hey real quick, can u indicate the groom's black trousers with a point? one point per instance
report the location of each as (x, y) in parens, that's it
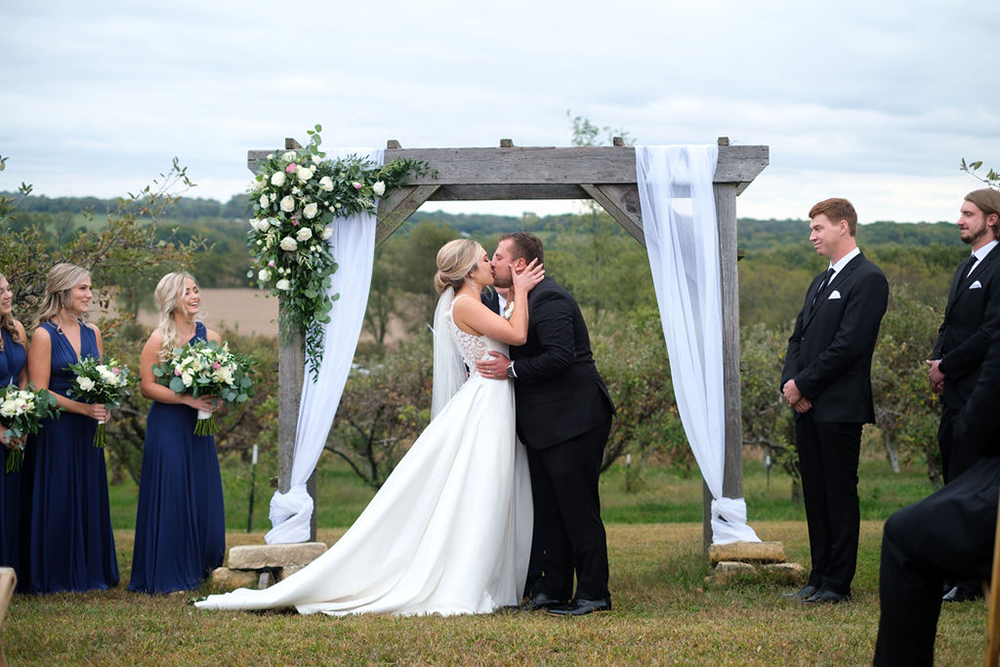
(564, 484)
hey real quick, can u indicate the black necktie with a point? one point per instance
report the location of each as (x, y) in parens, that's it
(826, 281)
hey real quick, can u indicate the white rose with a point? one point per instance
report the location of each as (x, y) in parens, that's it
(304, 234)
(289, 156)
(278, 178)
(316, 159)
(326, 233)
(311, 210)
(378, 188)
(8, 409)
(288, 243)
(287, 204)
(85, 383)
(263, 224)
(264, 275)
(326, 183)
(303, 173)
(283, 284)
(263, 201)
(187, 379)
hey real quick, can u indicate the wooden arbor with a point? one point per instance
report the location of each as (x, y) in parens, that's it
(604, 174)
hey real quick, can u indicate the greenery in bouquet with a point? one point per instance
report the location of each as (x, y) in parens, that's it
(21, 411)
(97, 381)
(206, 368)
(296, 197)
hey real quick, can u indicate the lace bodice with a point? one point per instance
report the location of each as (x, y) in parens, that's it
(472, 347)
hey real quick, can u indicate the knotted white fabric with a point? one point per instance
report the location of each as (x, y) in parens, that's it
(678, 219)
(353, 245)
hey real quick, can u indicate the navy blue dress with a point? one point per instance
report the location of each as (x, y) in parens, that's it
(12, 484)
(72, 545)
(180, 524)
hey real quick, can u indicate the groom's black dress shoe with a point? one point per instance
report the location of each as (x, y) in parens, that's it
(580, 606)
(801, 594)
(826, 597)
(961, 594)
(540, 601)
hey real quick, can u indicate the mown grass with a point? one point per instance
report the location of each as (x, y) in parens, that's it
(665, 611)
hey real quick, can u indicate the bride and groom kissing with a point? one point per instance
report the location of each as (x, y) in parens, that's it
(487, 510)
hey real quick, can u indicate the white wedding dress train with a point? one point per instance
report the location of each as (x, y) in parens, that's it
(448, 533)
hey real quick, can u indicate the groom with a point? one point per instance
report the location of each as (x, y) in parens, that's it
(564, 415)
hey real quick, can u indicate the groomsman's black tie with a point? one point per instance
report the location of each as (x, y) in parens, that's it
(822, 286)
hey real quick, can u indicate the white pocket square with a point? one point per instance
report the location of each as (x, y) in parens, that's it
(833, 295)
(976, 285)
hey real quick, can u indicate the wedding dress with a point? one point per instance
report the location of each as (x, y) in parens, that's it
(448, 533)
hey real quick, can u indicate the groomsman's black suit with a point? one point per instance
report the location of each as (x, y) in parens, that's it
(564, 415)
(829, 357)
(948, 535)
(961, 345)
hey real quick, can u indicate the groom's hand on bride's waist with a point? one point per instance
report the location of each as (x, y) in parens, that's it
(495, 367)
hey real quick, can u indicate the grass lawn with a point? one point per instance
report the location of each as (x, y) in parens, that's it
(665, 612)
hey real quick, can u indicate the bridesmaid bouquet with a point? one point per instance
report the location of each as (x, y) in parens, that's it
(100, 382)
(205, 368)
(21, 410)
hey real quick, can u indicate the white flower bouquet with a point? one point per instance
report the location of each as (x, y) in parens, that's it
(205, 368)
(296, 196)
(100, 382)
(21, 410)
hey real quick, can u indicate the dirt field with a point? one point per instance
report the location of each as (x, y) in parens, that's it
(249, 311)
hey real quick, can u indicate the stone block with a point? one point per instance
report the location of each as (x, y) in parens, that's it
(790, 574)
(226, 579)
(728, 571)
(260, 556)
(747, 552)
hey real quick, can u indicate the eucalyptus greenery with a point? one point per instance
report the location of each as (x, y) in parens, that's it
(297, 197)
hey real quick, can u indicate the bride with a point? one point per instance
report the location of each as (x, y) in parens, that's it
(449, 532)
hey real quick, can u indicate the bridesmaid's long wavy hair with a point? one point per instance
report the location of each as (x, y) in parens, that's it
(7, 322)
(456, 260)
(169, 294)
(59, 285)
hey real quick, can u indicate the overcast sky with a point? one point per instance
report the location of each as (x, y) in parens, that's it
(873, 101)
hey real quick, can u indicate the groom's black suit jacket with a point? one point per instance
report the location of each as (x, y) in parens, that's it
(558, 392)
(966, 331)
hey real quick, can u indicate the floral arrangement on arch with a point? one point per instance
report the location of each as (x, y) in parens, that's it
(297, 197)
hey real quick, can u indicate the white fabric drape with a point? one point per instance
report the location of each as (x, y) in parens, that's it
(353, 244)
(678, 219)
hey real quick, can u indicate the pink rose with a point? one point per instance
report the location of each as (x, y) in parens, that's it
(177, 371)
(357, 186)
(271, 263)
(216, 365)
(290, 168)
(116, 370)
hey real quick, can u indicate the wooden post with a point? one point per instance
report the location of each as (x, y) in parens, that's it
(732, 480)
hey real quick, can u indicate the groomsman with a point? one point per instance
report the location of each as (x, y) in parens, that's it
(965, 332)
(949, 534)
(964, 337)
(826, 380)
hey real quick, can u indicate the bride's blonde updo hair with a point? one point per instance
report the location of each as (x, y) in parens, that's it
(169, 294)
(456, 260)
(59, 284)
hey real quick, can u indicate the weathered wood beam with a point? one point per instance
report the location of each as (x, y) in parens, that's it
(397, 207)
(546, 165)
(502, 192)
(622, 203)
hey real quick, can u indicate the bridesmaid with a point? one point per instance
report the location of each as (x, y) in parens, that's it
(180, 528)
(12, 484)
(72, 546)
